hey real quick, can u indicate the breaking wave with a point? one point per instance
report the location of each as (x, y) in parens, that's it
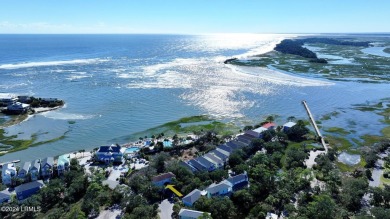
(50, 63)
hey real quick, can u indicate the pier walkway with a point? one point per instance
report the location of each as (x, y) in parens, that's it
(315, 126)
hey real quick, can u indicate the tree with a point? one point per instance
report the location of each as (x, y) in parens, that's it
(76, 212)
(323, 207)
(236, 158)
(353, 191)
(159, 162)
(295, 158)
(270, 118)
(243, 200)
(297, 132)
(291, 119)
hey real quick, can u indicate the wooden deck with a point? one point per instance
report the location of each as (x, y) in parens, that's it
(317, 130)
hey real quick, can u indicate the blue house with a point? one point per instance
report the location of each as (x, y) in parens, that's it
(5, 196)
(191, 198)
(209, 165)
(47, 167)
(24, 171)
(187, 166)
(108, 154)
(35, 169)
(28, 189)
(197, 165)
(239, 181)
(190, 214)
(63, 164)
(221, 189)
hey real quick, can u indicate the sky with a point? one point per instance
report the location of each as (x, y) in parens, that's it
(194, 16)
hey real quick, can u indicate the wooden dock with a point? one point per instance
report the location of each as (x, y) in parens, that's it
(317, 130)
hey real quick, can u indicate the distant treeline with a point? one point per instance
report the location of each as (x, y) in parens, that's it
(295, 47)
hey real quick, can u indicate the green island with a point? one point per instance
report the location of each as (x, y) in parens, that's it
(345, 59)
(387, 50)
(288, 170)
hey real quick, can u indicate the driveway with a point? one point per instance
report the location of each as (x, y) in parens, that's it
(166, 209)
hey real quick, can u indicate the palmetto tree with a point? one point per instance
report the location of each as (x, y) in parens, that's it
(291, 119)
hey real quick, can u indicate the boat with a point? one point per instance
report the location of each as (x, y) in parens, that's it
(15, 161)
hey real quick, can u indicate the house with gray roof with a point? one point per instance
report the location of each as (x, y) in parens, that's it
(197, 165)
(214, 159)
(190, 214)
(219, 154)
(258, 133)
(225, 148)
(47, 167)
(226, 153)
(5, 196)
(210, 166)
(35, 170)
(28, 189)
(191, 198)
(24, 170)
(220, 189)
(239, 181)
(188, 166)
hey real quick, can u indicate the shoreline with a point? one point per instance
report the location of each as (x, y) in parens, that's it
(24, 117)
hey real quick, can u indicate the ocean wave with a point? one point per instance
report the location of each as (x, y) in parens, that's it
(65, 116)
(51, 63)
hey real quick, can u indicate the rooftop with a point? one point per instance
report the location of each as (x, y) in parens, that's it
(163, 176)
(190, 213)
(192, 196)
(28, 186)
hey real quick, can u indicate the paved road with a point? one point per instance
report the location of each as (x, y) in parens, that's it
(166, 209)
(376, 174)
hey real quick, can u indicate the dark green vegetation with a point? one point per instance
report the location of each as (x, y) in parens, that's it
(193, 124)
(345, 62)
(387, 50)
(10, 144)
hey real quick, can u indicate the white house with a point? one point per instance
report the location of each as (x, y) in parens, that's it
(288, 125)
(190, 214)
(256, 132)
(9, 171)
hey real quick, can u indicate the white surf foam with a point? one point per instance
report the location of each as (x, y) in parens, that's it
(65, 116)
(51, 63)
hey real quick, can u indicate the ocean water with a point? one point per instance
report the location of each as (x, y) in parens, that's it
(116, 85)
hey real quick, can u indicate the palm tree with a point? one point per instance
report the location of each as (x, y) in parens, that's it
(270, 119)
(291, 119)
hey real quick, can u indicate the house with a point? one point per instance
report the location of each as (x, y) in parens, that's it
(162, 179)
(28, 189)
(190, 214)
(220, 189)
(5, 196)
(225, 148)
(245, 138)
(257, 133)
(269, 125)
(210, 166)
(199, 166)
(8, 171)
(35, 170)
(63, 164)
(191, 198)
(47, 167)
(232, 145)
(214, 159)
(225, 153)
(108, 154)
(239, 181)
(219, 154)
(288, 125)
(24, 170)
(17, 108)
(187, 166)
(7, 99)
